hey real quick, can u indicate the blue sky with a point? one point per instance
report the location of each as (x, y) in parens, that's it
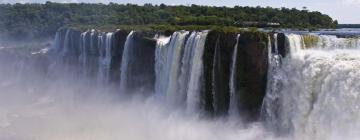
(345, 11)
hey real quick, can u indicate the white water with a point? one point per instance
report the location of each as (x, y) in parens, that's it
(312, 94)
(59, 115)
(60, 57)
(57, 43)
(67, 43)
(105, 44)
(186, 65)
(173, 68)
(315, 94)
(125, 62)
(196, 70)
(84, 52)
(270, 106)
(168, 59)
(179, 68)
(37, 108)
(161, 61)
(233, 105)
(330, 42)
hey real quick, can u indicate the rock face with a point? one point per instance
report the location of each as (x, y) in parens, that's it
(282, 44)
(141, 70)
(252, 63)
(251, 72)
(117, 51)
(71, 47)
(218, 55)
(228, 78)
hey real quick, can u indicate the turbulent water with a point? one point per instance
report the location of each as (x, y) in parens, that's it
(125, 62)
(168, 59)
(105, 43)
(312, 92)
(36, 106)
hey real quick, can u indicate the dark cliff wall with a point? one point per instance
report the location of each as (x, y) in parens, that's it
(73, 51)
(141, 68)
(251, 71)
(282, 44)
(117, 52)
(92, 54)
(251, 66)
(217, 62)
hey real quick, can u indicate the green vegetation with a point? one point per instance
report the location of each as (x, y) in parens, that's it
(27, 20)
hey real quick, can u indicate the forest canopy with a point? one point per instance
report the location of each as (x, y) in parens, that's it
(21, 20)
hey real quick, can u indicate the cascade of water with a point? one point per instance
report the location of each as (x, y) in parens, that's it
(233, 106)
(94, 54)
(179, 68)
(54, 52)
(160, 65)
(105, 42)
(107, 59)
(276, 48)
(173, 69)
(102, 53)
(319, 93)
(83, 58)
(331, 41)
(196, 71)
(94, 49)
(269, 107)
(295, 42)
(125, 62)
(58, 43)
(67, 43)
(186, 65)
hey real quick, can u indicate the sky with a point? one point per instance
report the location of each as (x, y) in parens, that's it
(345, 11)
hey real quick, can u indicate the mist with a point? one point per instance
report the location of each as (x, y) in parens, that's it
(40, 105)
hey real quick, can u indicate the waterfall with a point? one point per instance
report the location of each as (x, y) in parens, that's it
(168, 59)
(197, 46)
(84, 52)
(269, 108)
(65, 51)
(160, 65)
(90, 54)
(179, 68)
(220, 92)
(125, 62)
(296, 43)
(175, 49)
(67, 43)
(233, 106)
(186, 65)
(331, 41)
(314, 93)
(58, 43)
(102, 63)
(105, 44)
